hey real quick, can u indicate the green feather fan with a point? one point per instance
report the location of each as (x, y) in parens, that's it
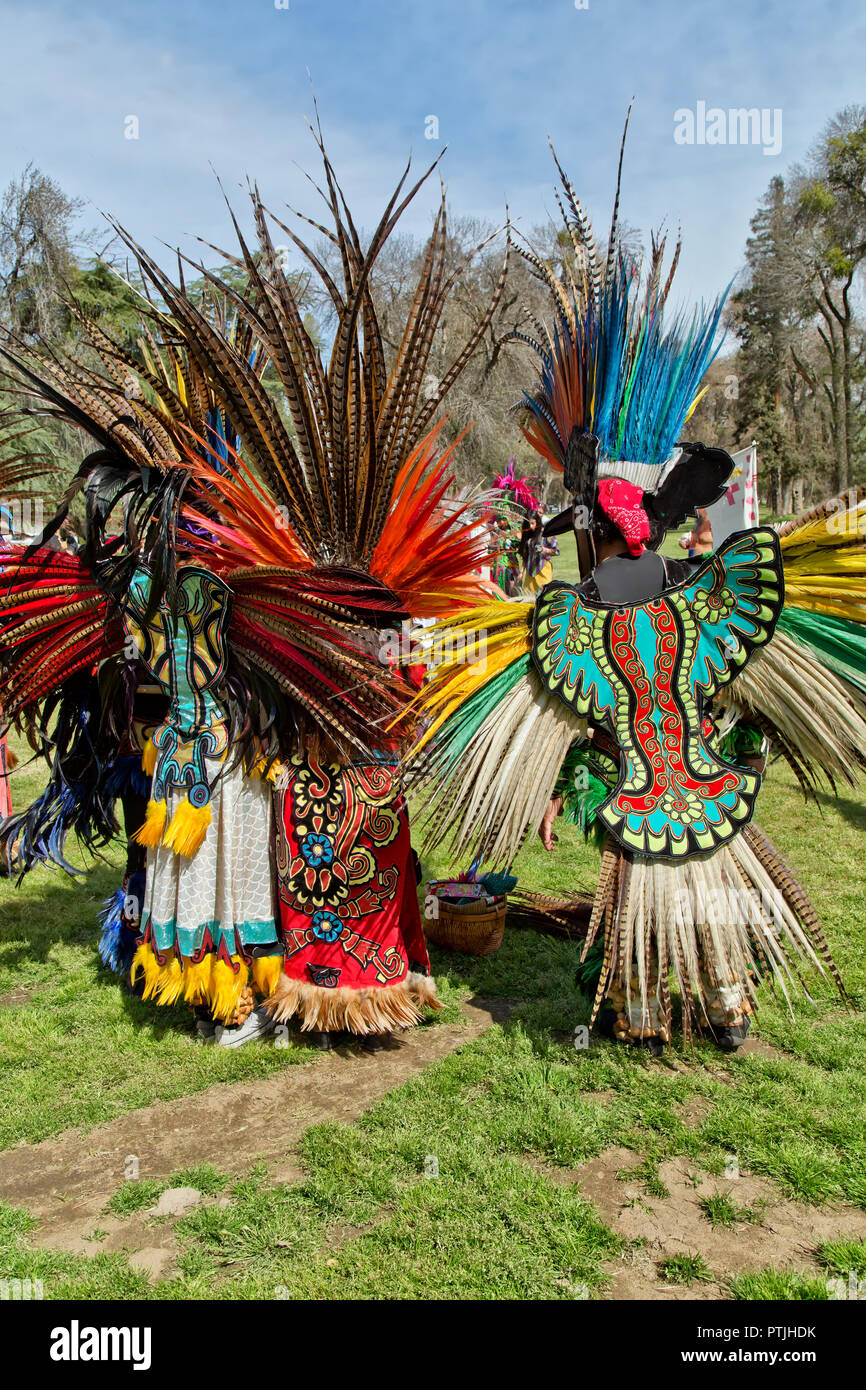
(840, 643)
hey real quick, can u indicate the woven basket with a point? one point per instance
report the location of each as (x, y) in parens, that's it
(474, 929)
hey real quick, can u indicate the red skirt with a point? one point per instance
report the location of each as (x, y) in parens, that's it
(355, 954)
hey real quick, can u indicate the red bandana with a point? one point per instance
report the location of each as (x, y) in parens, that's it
(623, 503)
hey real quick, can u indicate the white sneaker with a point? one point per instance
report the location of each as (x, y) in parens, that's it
(255, 1025)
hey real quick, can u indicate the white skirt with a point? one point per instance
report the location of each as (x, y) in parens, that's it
(224, 892)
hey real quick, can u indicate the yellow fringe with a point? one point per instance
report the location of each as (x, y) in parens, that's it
(227, 987)
(169, 982)
(148, 758)
(150, 833)
(188, 827)
(145, 961)
(456, 683)
(266, 973)
(211, 981)
(197, 980)
(161, 982)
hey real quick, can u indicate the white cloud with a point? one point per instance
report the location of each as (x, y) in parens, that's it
(227, 83)
(71, 85)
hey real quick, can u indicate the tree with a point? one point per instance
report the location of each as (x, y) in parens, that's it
(36, 259)
(832, 207)
(105, 298)
(801, 357)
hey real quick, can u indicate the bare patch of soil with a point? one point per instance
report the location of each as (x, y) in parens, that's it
(784, 1235)
(756, 1046)
(694, 1111)
(14, 997)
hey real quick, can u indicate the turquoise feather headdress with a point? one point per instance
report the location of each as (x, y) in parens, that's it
(611, 369)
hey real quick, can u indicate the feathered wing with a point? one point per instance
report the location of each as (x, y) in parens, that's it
(824, 553)
(736, 598)
(56, 627)
(807, 689)
(514, 685)
(55, 621)
(646, 671)
(495, 740)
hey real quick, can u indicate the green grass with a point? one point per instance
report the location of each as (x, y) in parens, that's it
(63, 1276)
(722, 1212)
(507, 1118)
(778, 1284)
(140, 1193)
(685, 1269)
(843, 1257)
(81, 1050)
(135, 1195)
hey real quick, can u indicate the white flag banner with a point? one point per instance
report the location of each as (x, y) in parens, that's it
(738, 509)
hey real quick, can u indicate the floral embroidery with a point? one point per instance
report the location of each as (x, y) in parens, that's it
(316, 850)
(713, 605)
(326, 926)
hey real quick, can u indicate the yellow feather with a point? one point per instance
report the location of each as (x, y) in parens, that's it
(266, 973)
(169, 983)
(150, 833)
(227, 987)
(448, 695)
(188, 828)
(197, 980)
(145, 961)
(148, 758)
(693, 406)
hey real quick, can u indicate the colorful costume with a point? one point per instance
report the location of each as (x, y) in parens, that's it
(208, 912)
(356, 957)
(537, 563)
(255, 569)
(515, 500)
(652, 681)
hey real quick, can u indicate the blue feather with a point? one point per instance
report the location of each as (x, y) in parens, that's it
(118, 940)
(125, 777)
(637, 376)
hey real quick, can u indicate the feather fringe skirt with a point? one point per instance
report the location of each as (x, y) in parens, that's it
(718, 926)
(359, 1011)
(488, 803)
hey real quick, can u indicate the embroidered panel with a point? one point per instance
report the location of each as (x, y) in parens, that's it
(646, 671)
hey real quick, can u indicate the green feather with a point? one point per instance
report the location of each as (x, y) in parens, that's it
(588, 973)
(839, 642)
(459, 728)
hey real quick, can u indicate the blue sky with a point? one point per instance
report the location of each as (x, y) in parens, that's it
(228, 83)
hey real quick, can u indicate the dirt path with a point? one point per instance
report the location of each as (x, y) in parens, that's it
(67, 1180)
(784, 1236)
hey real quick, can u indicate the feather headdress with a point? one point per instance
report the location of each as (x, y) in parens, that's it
(613, 372)
(325, 522)
(354, 478)
(518, 490)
